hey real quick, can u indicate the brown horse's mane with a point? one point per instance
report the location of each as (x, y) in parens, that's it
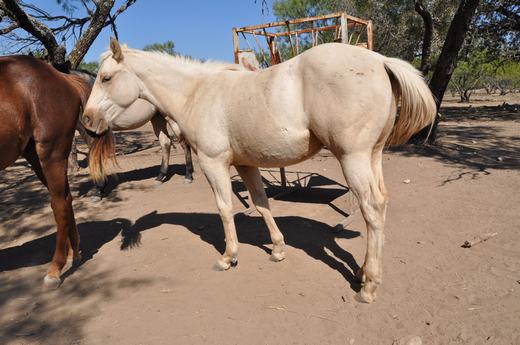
(81, 86)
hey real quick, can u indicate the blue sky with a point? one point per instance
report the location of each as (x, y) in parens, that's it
(201, 29)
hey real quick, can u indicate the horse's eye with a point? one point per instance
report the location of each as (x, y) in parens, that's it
(106, 78)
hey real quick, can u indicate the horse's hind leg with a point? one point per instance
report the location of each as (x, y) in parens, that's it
(188, 178)
(32, 157)
(253, 181)
(366, 183)
(217, 173)
(160, 130)
(55, 173)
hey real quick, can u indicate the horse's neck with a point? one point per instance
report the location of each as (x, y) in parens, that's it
(168, 86)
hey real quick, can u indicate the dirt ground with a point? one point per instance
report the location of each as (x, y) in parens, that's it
(149, 250)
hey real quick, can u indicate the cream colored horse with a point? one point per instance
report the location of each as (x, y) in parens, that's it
(333, 95)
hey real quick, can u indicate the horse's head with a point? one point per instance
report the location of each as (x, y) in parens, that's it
(115, 90)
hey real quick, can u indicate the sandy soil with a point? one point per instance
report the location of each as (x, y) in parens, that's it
(148, 252)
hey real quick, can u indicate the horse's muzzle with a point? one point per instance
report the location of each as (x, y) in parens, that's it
(95, 125)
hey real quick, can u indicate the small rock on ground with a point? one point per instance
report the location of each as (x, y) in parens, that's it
(408, 340)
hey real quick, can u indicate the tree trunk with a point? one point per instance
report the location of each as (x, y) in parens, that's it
(447, 60)
(427, 37)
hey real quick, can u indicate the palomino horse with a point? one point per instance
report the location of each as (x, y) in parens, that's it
(140, 113)
(166, 130)
(333, 95)
(39, 111)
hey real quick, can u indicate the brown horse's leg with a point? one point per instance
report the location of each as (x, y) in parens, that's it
(55, 172)
(32, 157)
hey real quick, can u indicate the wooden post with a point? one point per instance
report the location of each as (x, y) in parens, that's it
(283, 178)
(236, 44)
(344, 28)
(370, 36)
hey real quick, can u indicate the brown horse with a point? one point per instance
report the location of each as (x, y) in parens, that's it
(38, 114)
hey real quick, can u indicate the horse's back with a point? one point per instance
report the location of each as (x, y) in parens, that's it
(333, 95)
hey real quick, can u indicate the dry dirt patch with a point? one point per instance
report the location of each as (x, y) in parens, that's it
(147, 277)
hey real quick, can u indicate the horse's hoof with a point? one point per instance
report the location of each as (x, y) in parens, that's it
(158, 182)
(51, 283)
(277, 257)
(221, 266)
(365, 297)
(95, 198)
(188, 180)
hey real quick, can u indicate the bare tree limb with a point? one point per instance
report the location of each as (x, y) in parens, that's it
(37, 29)
(9, 28)
(101, 18)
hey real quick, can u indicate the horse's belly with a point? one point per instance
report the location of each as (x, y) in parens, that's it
(271, 150)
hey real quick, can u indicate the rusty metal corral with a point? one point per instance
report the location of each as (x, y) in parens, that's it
(347, 29)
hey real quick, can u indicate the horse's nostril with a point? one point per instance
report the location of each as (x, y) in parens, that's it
(86, 120)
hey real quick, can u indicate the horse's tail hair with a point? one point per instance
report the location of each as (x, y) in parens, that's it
(418, 108)
(102, 150)
(102, 156)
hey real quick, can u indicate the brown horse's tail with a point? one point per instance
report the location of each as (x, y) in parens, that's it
(102, 156)
(418, 108)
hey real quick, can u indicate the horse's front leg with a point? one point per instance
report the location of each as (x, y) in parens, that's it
(217, 173)
(188, 178)
(253, 181)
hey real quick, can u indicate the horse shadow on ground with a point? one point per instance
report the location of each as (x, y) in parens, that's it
(113, 181)
(477, 147)
(315, 238)
(308, 187)
(32, 315)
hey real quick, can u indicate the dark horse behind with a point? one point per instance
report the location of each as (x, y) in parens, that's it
(39, 112)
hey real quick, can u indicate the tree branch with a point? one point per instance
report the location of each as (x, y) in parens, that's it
(9, 28)
(100, 18)
(35, 28)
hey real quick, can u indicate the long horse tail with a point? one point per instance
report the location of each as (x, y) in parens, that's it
(102, 153)
(418, 108)
(102, 157)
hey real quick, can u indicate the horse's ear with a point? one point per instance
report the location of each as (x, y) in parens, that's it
(117, 53)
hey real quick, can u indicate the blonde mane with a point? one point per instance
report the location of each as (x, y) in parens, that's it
(185, 61)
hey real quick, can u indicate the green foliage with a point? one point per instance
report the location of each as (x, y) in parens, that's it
(481, 70)
(508, 77)
(92, 67)
(398, 29)
(497, 28)
(165, 47)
